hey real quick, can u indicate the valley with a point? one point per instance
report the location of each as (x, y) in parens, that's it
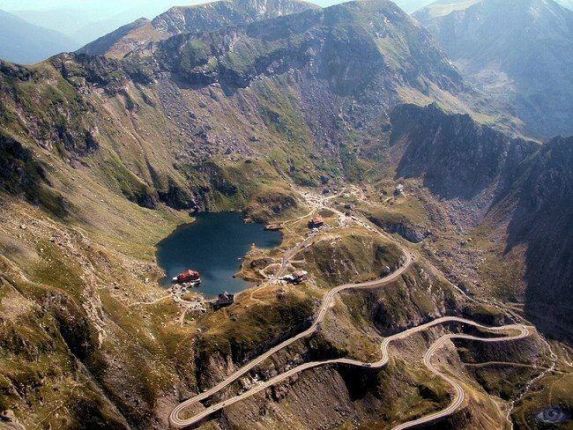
(529, 80)
(430, 229)
(326, 304)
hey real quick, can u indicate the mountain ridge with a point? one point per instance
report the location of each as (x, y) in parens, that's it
(21, 42)
(516, 51)
(180, 19)
(518, 190)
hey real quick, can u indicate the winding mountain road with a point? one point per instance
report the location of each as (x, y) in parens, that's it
(457, 401)
(177, 421)
(327, 302)
(459, 394)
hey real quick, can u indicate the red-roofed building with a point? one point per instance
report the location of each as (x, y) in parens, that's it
(188, 276)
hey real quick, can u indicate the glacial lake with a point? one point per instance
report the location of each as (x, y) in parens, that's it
(213, 245)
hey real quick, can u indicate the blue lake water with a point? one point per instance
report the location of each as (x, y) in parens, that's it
(213, 245)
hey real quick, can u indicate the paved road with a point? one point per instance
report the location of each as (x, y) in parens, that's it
(458, 399)
(327, 301)
(459, 394)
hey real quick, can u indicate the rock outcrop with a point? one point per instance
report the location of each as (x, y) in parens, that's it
(521, 189)
(191, 19)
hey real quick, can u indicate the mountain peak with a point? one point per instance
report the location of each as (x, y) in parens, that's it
(191, 19)
(214, 15)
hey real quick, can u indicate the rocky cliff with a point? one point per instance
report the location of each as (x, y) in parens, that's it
(455, 156)
(542, 220)
(518, 188)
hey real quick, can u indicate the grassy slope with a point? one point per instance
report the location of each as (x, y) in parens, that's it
(98, 253)
(87, 239)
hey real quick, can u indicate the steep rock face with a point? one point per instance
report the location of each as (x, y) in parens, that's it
(44, 339)
(191, 19)
(69, 126)
(22, 175)
(455, 156)
(404, 228)
(543, 219)
(391, 42)
(19, 172)
(354, 60)
(517, 51)
(520, 189)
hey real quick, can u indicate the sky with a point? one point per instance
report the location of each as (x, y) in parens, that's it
(86, 20)
(104, 7)
(113, 7)
(83, 21)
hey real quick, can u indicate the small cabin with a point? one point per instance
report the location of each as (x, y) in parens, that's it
(224, 300)
(316, 222)
(300, 277)
(296, 277)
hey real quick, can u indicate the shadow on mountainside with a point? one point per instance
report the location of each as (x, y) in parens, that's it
(21, 174)
(543, 219)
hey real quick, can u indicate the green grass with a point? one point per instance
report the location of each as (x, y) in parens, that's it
(57, 270)
(254, 327)
(352, 256)
(36, 365)
(401, 302)
(409, 392)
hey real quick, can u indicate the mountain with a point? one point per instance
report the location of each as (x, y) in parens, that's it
(518, 51)
(24, 43)
(351, 112)
(287, 67)
(206, 17)
(408, 6)
(124, 39)
(519, 191)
